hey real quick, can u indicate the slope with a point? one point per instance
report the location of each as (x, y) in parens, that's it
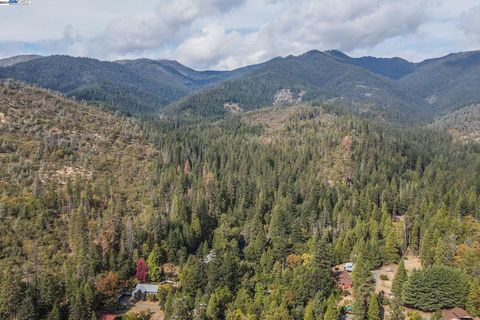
(311, 76)
(394, 68)
(136, 86)
(463, 124)
(6, 62)
(445, 83)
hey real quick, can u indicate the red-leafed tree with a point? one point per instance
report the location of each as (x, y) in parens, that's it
(142, 270)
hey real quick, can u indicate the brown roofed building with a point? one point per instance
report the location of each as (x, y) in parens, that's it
(456, 314)
(345, 280)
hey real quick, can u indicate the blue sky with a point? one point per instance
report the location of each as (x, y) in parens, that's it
(226, 34)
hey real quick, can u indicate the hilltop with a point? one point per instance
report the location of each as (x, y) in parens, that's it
(135, 86)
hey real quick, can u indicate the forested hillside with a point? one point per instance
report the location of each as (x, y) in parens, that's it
(463, 124)
(446, 83)
(390, 89)
(255, 209)
(139, 86)
(314, 75)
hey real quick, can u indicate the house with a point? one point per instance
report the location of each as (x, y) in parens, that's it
(345, 280)
(143, 289)
(456, 314)
(348, 267)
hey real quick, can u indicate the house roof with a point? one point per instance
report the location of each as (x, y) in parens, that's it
(455, 314)
(145, 287)
(345, 278)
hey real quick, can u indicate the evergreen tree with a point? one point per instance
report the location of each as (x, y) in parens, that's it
(309, 313)
(446, 288)
(363, 284)
(392, 252)
(153, 263)
(277, 231)
(374, 308)
(10, 293)
(27, 309)
(399, 280)
(332, 310)
(473, 299)
(217, 304)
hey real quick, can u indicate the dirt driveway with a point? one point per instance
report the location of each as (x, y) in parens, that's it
(147, 306)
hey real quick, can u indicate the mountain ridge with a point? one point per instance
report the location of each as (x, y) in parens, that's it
(393, 88)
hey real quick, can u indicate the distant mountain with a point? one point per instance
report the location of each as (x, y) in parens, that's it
(136, 86)
(17, 59)
(445, 83)
(312, 76)
(385, 88)
(394, 68)
(390, 88)
(173, 72)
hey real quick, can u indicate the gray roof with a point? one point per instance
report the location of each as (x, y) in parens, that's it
(145, 287)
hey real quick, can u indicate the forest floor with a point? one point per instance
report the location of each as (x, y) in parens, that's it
(384, 285)
(412, 262)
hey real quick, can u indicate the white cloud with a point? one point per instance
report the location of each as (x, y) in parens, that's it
(232, 33)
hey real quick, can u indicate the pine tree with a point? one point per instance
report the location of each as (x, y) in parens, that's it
(399, 280)
(27, 309)
(363, 284)
(309, 313)
(332, 310)
(153, 263)
(473, 299)
(443, 252)
(10, 293)
(392, 252)
(427, 253)
(277, 231)
(374, 308)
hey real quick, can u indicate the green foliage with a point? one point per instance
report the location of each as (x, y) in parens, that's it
(436, 287)
(217, 304)
(27, 309)
(414, 315)
(331, 313)
(473, 299)
(254, 210)
(137, 86)
(374, 308)
(399, 280)
(363, 285)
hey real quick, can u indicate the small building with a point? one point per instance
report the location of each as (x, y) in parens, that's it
(456, 314)
(345, 280)
(348, 267)
(143, 289)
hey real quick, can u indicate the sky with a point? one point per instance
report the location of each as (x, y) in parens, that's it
(227, 34)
